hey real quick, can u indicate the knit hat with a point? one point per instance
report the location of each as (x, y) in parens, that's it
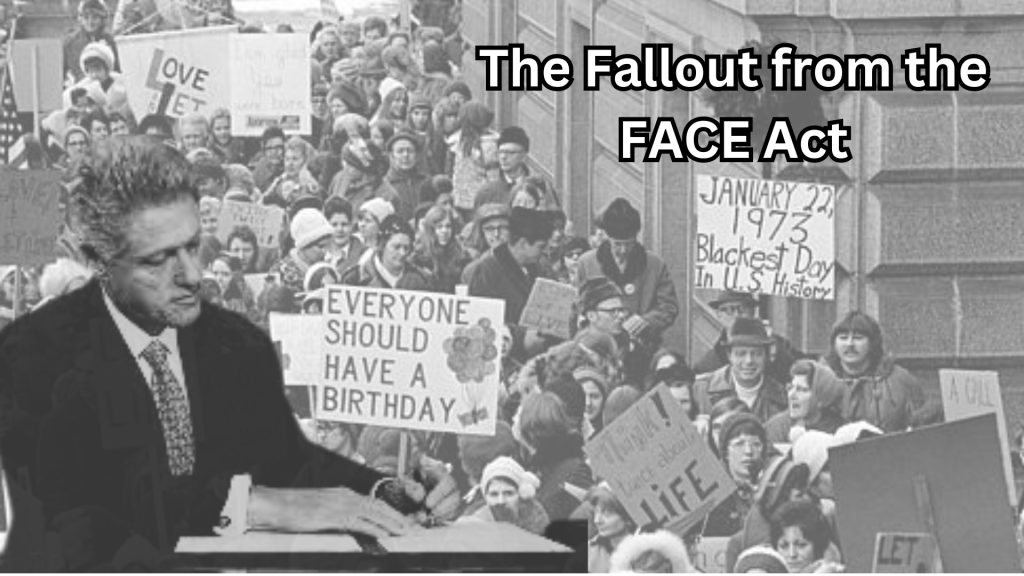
(372, 68)
(811, 448)
(505, 467)
(620, 220)
(527, 223)
(419, 101)
(618, 402)
(487, 212)
(304, 200)
(514, 135)
(589, 374)
(747, 332)
(854, 431)
(378, 207)
(97, 50)
(92, 6)
(73, 129)
(460, 87)
(732, 424)
(476, 451)
(596, 290)
(404, 134)
(730, 296)
(309, 227)
(762, 558)
(387, 86)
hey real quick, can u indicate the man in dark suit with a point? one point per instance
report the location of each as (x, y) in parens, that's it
(139, 405)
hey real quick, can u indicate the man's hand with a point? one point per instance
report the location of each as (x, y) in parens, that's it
(304, 510)
(436, 490)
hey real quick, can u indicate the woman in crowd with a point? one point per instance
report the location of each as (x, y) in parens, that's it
(209, 221)
(801, 534)
(438, 250)
(389, 267)
(346, 248)
(445, 120)
(612, 523)
(394, 101)
(242, 244)
(679, 380)
(744, 448)
(566, 263)
(720, 412)
(371, 214)
(473, 147)
(437, 73)
(364, 165)
(228, 149)
(815, 403)
(235, 294)
(76, 146)
(595, 388)
(295, 181)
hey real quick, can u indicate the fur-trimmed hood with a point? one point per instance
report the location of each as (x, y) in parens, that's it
(663, 542)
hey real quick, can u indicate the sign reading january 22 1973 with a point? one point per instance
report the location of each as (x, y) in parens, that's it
(766, 236)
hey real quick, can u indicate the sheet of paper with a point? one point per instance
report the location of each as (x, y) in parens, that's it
(269, 543)
(472, 536)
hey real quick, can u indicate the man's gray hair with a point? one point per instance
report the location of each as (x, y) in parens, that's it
(121, 177)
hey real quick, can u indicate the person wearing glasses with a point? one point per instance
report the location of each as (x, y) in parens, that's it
(743, 445)
(744, 376)
(513, 148)
(270, 163)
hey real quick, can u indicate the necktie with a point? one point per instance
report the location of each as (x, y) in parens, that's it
(173, 410)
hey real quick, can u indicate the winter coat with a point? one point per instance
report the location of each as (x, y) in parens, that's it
(405, 188)
(710, 388)
(497, 275)
(824, 412)
(889, 397)
(447, 266)
(636, 546)
(366, 274)
(468, 172)
(558, 461)
(532, 516)
(647, 286)
(356, 182)
(781, 357)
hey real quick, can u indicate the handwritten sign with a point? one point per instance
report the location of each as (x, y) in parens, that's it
(265, 221)
(659, 465)
(766, 236)
(549, 308)
(192, 63)
(270, 83)
(39, 59)
(967, 393)
(29, 216)
(901, 553)
(415, 360)
(299, 340)
(711, 554)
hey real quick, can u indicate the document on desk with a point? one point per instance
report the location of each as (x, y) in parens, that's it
(268, 543)
(472, 537)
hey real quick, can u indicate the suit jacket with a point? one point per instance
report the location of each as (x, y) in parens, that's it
(89, 418)
(714, 386)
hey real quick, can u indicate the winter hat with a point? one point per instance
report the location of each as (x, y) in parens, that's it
(762, 558)
(92, 6)
(476, 451)
(748, 332)
(354, 124)
(100, 51)
(589, 374)
(304, 200)
(73, 129)
(731, 296)
(620, 220)
(731, 427)
(811, 448)
(378, 207)
(487, 212)
(514, 135)
(507, 468)
(636, 552)
(419, 101)
(309, 227)
(826, 390)
(854, 431)
(351, 95)
(460, 87)
(596, 290)
(618, 402)
(404, 134)
(372, 67)
(316, 276)
(387, 86)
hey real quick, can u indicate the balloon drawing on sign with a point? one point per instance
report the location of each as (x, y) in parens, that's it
(471, 355)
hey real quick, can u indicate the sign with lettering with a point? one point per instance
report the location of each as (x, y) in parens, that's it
(968, 393)
(265, 221)
(711, 554)
(549, 308)
(901, 553)
(177, 73)
(415, 360)
(30, 216)
(270, 83)
(765, 236)
(659, 465)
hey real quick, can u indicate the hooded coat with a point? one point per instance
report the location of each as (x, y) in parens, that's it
(889, 397)
(633, 548)
(825, 412)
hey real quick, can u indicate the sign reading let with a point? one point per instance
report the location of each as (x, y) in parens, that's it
(658, 464)
(766, 236)
(415, 360)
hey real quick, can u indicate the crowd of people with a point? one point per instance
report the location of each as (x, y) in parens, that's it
(406, 183)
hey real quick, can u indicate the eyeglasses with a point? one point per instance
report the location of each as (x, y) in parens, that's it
(495, 228)
(508, 152)
(752, 444)
(620, 310)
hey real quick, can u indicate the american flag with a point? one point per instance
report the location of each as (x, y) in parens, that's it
(12, 139)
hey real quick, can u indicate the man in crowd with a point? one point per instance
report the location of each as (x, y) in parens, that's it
(404, 180)
(729, 306)
(513, 147)
(509, 491)
(745, 376)
(649, 294)
(92, 27)
(270, 163)
(130, 389)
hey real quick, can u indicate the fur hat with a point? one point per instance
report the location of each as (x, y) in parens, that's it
(309, 227)
(419, 101)
(514, 135)
(589, 374)
(404, 134)
(636, 548)
(596, 290)
(505, 467)
(762, 558)
(747, 332)
(460, 87)
(378, 207)
(732, 424)
(620, 220)
(100, 51)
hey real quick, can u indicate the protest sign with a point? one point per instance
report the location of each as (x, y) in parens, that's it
(29, 216)
(549, 308)
(299, 338)
(265, 221)
(967, 393)
(875, 483)
(415, 360)
(710, 556)
(659, 465)
(270, 83)
(766, 236)
(901, 553)
(39, 61)
(193, 63)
